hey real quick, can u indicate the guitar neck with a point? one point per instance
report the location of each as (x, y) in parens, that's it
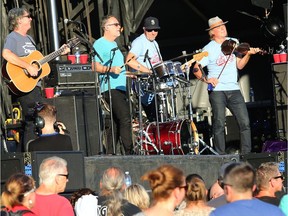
(51, 56)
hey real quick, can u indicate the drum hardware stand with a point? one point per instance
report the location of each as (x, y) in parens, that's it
(154, 77)
(196, 148)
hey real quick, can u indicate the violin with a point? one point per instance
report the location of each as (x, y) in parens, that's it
(230, 46)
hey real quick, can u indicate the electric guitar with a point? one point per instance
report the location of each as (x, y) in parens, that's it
(19, 80)
(196, 57)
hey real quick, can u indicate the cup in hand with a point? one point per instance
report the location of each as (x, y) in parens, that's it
(276, 58)
(72, 58)
(84, 58)
(49, 92)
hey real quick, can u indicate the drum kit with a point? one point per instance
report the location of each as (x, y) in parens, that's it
(169, 134)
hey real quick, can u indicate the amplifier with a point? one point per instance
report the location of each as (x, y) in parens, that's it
(71, 76)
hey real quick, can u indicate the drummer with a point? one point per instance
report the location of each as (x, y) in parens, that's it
(144, 49)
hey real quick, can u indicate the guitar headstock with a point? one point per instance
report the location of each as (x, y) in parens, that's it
(199, 56)
(72, 42)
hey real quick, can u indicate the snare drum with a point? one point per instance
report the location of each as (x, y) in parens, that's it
(164, 69)
(175, 137)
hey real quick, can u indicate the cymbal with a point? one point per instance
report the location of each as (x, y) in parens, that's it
(182, 56)
(137, 73)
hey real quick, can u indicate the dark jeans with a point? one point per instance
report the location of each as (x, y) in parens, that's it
(122, 120)
(234, 101)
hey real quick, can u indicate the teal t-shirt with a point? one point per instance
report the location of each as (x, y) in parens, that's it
(103, 48)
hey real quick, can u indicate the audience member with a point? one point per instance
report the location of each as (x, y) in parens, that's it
(18, 194)
(168, 190)
(239, 184)
(85, 202)
(269, 181)
(196, 198)
(284, 204)
(53, 175)
(137, 195)
(220, 200)
(111, 201)
(51, 133)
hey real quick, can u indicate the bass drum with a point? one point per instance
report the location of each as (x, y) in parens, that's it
(176, 138)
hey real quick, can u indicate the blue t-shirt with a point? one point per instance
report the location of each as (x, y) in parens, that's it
(252, 207)
(140, 46)
(103, 48)
(215, 62)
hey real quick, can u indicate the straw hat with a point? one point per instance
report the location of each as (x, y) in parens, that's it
(215, 22)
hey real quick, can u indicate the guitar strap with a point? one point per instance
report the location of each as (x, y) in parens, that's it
(32, 41)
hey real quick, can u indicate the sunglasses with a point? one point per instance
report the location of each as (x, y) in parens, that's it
(66, 175)
(282, 177)
(115, 24)
(28, 16)
(150, 30)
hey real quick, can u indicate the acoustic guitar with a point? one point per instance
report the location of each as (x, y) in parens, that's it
(19, 80)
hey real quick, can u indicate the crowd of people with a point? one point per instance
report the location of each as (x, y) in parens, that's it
(172, 192)
(111, 65)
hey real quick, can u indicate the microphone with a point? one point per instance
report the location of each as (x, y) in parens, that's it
(67, 22)
(146, 55)
(114, 49)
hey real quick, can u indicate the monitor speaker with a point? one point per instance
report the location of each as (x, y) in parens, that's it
(75, 164)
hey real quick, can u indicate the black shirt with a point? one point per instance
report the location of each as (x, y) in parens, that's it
(51, 142)
(128, 209)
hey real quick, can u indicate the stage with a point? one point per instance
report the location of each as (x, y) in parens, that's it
(87, 171)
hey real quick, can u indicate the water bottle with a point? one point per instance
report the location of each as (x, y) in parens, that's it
(251, 94)
(77, 55)
(128, 180)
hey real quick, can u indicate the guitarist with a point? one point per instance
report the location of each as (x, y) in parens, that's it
(18, 44)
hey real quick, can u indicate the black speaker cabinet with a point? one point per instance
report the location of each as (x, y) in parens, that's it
(75, 161)
(10, 163)
(79, 114)
(279, 157)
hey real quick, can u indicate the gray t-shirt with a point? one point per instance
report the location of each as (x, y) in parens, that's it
(19, 44)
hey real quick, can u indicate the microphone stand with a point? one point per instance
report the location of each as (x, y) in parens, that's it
(154, 76)
(110, 101)
(99, 113)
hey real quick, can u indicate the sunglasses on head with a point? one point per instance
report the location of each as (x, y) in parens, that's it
(150, 30)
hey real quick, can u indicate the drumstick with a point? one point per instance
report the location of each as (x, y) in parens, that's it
(128, 61)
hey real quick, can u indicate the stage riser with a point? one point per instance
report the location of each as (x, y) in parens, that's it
(205, 165)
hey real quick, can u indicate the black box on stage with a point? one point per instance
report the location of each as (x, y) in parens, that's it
(29, 163)
(11, 163)
(71, 76)
(255, 159)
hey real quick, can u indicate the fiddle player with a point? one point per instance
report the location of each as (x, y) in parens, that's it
(142, 47)
(225, 88)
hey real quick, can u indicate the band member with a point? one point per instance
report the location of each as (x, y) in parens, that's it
(110, 65)
(225, 88)
(143, 47)
(19, 44)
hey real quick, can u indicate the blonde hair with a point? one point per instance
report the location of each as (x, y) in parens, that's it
(264, 173)
(164, 180)
(196, 190)
(15, 188)
(137, 195)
